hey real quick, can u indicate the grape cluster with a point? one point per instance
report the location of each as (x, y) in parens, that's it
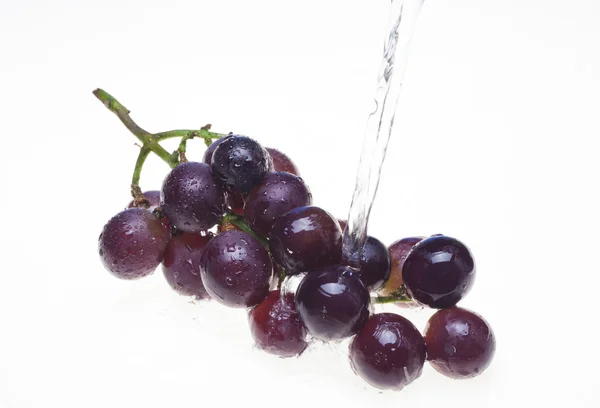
(241, 222)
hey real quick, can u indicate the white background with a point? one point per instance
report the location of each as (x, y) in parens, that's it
(494, 144)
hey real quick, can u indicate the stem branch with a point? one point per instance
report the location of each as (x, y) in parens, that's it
(145, 137)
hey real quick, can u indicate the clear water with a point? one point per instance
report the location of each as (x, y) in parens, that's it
(404, 14)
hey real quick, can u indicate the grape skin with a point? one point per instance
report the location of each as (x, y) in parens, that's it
(281, 162)
(278, 193)
(399, 250)
(191, 199)
(439, 271)
(388, 352)
(375, 263)
(153, 197)
(276, 326)
(240, 163)
(181, 264)
(133, 243)
(461, 344)
(333, 302)
(305, 238)
(236, 269)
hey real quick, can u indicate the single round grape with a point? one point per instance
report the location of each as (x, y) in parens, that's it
(235, 202)
(153, 197)
(181, 265)
(133, 243)
(398, 252)
(276, 326)
(191, 199)
(240, 163)
(439, 271)
(375, 263)
(388, 352)
(278, 193)
(460, 343)
(343, 224)
(281, 162)
(208, 153)
(236, 269)
(305, 238)
(333, 302)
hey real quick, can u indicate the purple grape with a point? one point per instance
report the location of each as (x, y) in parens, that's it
(181, 265)
(208, 153)
(375, 263)
(278, 193)
(191, 199)
(133, 243)
(240, 163)
(281, 162)
(333, 302)
(388, 352)
(439, 271)
(236, 269)
(153, 197)
(276, 326)
(305, 238)
(460, 343)
(235, 202)
(399, 250)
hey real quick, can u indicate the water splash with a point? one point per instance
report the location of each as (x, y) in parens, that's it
(403, 18)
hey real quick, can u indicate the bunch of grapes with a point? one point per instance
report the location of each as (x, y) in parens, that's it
(239, 226)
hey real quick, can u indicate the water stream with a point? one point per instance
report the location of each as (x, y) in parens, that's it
(403, 17)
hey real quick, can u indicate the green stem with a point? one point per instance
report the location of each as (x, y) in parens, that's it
(205, 134)
(147, 138)
(398, 296)
(388, 299)
(241, 223)
(139, 163)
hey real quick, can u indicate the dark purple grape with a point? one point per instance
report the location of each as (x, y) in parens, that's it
(181, 265)
(235, 202)
(388, 352)
(133, 243)
(460, 343)
(281, 162)
(236, 269)
(240, 163)
(278, 193)
(305, 238)
(276, 327)
(343, 224)
(398, 252)
(439, 271)
(333, 302)
(208, 153)
(153, 197)
(375, 263)
(191, 199)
